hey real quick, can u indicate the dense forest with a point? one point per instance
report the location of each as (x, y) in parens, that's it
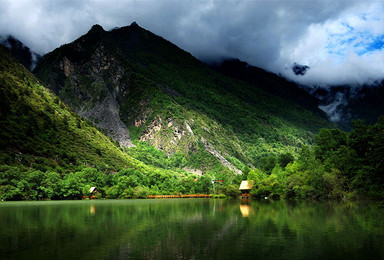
(339, 166)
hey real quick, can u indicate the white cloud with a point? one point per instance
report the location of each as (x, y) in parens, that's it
(268, 34)
(345, 50)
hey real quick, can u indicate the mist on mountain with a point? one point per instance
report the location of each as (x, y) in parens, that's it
(21, 52)
(342, 104)
(299, 69)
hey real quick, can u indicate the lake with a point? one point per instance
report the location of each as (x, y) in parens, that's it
(190, 229)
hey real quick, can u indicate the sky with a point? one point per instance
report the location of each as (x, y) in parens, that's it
(341, 41)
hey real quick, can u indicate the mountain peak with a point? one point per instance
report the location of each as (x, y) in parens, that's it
(96, 28)
(21, 52)
(299, 69)
(134, 24)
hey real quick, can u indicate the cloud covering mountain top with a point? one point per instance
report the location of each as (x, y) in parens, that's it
(341, 41)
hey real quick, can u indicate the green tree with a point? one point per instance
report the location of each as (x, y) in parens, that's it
(334, 185)
(231, 190)
(245, 171)
(36, 184)
(86, 190)
(285, 158)
(72, 185)
(13, 185)
(306, 158)
(267, 163)
(328, 141)
(51, 185)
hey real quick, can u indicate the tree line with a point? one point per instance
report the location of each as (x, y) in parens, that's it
(341, 165)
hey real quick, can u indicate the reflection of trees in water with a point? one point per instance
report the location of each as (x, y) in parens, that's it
(297, 229)
(190, 228)
(195, 236)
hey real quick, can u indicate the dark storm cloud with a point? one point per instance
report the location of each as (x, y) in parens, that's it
(269, 34)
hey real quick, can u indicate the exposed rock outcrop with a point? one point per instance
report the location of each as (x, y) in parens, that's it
(105, 115)
(169, 135)
(98, 86)
(209, 147)
(67, 66)
(194, 171)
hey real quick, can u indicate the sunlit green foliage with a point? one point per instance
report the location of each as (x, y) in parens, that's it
(340, 166)
(16, 184)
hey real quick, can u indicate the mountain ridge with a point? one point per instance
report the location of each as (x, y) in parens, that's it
(20, 51)
(342, 104)
(170, 99)
(267, 81)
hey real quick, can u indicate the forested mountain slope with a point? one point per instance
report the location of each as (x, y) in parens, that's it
(39, 128)
(268, 82)
(343, 104)
(170, 114)
(139, 87)
(47, 151)
(21, 52)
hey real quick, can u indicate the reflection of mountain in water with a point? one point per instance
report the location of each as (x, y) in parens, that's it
(191, 229)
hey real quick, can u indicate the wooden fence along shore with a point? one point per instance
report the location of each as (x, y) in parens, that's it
(179, 196)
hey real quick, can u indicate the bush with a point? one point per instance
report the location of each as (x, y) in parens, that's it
(218, 196)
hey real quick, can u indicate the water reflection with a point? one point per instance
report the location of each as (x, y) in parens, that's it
(245, 209)
(190, 229)
(92, 209)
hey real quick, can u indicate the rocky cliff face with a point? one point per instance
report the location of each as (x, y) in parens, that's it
(94, 87)
(105, 114)
(173, 135)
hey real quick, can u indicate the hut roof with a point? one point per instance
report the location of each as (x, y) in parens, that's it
(246, 185)
(92, 189)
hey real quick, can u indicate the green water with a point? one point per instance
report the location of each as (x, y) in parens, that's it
(190, 229)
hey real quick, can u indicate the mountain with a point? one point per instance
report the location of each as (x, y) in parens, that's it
(21, 52)
(368, 103)
(299, 69)
(347, 103)
(38, 128)
(47, 151)
(139, 87)
(269, 82)
(342, 104)
(40, 132)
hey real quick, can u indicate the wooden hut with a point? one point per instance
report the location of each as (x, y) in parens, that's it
(245, 188)
(93, 192)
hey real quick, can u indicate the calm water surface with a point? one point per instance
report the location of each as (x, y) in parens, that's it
(190, 229)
